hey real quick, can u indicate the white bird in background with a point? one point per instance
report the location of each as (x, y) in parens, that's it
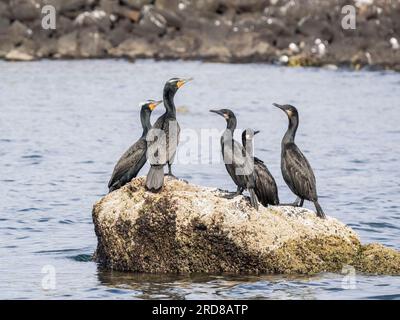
(395, 43)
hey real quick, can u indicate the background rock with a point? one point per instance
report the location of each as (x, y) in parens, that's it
(187, 228)
(215, 30)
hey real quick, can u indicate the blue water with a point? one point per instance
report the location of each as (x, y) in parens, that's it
(63, 124)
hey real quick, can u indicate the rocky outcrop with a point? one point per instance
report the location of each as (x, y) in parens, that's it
(188, 228)
(307, 33)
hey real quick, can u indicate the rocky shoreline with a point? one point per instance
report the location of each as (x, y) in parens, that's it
(293, 33)
(193, 229)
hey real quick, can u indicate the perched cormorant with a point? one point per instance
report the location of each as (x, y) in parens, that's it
(296, 170)
(162, 149)
(238, 164)
(129, 165)
(265, 185)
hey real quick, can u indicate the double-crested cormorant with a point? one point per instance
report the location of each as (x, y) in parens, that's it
(129, 165)
(296, 170)
(162, 149)
(265, 185)
(238, 164)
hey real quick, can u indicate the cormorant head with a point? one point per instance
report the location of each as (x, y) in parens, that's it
(288, 109)
(249, 134)
(149, 105)
(226, 113)
(175, 83)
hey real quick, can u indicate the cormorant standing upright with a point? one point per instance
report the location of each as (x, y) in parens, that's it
(163, 145)
(238, 164)
(130, 163)
(265, 185)
(296, 170)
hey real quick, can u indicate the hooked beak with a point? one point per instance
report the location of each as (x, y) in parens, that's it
(217, 112)
(278, 106)
(181, 82)
(154, 105)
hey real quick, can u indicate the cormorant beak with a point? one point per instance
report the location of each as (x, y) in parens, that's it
(284, 109)
(181, 82)
(218, 112)
(279, 106)
(256, 132)
(154, 105)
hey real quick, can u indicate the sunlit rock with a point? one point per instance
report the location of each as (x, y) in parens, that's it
(188, 228)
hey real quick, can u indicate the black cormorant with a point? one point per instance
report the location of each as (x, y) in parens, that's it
(239, 166)
(265, 185)
(162, 149)
(129, 165)
(296, 170)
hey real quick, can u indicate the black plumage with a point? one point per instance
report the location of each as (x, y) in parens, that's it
(296, 169)
(238, 164)
(265, 185)
(130, 163)
(163, 145)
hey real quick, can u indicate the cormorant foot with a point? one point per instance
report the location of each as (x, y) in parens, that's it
(295, 204)
(230, 195)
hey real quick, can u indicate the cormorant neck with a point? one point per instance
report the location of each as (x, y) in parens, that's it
(169, 101)
(145, 120)
(249, 151)
(291, 131)
(231, 124)
(244, 141)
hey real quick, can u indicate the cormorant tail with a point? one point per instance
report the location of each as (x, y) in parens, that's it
(320, 212)
(155, 178)
(253, 198)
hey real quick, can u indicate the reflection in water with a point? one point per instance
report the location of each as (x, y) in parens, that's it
(200, 286)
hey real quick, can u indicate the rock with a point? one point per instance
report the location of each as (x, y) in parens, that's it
(19, 55)
(57, 4)
(109, 6)
(152, 23)
(169, 5)
(97, 18)
(67, 46)
(133, 48)
(93, 44)
(215, 52)
(183, 46)
(4, 23)
(133, 15)
(47, 48)
(136, 4)
(215, 30)
(73, 5)
(6, 45)
(64, 26)
(188, 228)
(18, 32)
(4, 11)
(376, 259)
(25, 9)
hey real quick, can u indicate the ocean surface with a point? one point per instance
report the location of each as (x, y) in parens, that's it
(64, 124)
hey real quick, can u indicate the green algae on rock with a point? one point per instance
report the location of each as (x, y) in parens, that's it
(374, 258)
(187, 228)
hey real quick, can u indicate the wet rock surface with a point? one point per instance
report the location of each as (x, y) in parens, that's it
(188, 228)
(307, 33)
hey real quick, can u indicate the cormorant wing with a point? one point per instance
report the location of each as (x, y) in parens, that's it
(233, 153)
(299, 171)
(265, 185)
(128, 161)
